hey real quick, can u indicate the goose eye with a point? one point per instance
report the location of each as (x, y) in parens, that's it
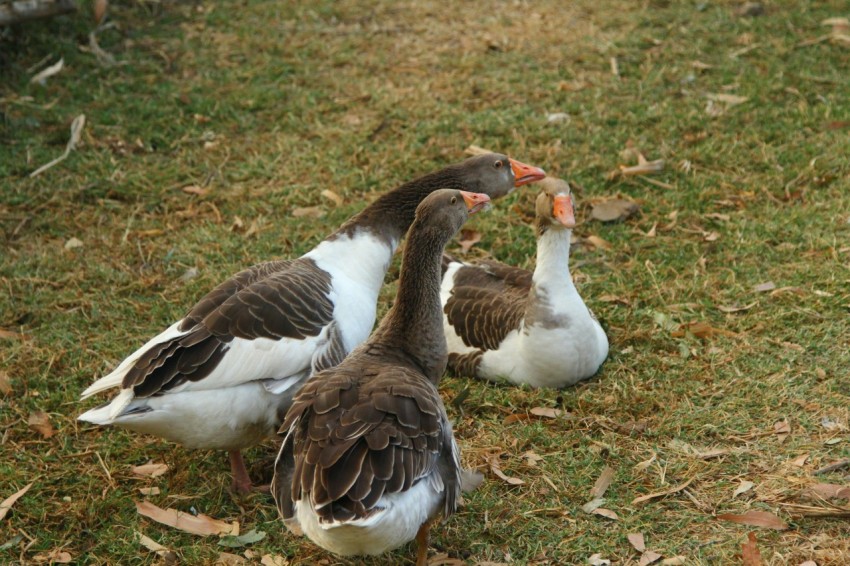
(498, 165)
(454, 200)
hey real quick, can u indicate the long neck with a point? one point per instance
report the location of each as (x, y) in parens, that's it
(391, 215)
(553, 256)
(415, 322)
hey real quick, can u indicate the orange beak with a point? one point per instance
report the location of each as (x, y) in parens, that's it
(524, 174)
(475, 201)
(564, 211)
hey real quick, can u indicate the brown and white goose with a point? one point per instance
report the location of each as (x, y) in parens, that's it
(369, 458)
(223, 376)
(506, 323)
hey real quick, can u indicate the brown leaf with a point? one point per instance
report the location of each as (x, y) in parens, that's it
(800, 461)
(40, 422)
(9, 501)
(607, 513)
(730, 99)
(195, 190)
(782, 429)
(674, 561)
(55, 556)
(151, 470)
(700, 330)
(602, 482)
(614, 299)
(711, 236)
(201, 524)
(750, 555)
(332, 196)
(5, 383)
(743, 487)
(649, 557)
(100, 10)
(597, 242)
(228, 559)
(658, 494)
(736, 308)
(764, 287)
(636, 540)
(831, 491)
(614, 210)
(547, 412)
(151, 544)
(468, 238)
(756, 519)
(308, 212)
(274, 560)
(494, 467)
(149, 490)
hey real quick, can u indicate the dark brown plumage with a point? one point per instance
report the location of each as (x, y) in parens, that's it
(375, 425)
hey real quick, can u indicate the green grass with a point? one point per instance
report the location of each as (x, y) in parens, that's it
(266, 104)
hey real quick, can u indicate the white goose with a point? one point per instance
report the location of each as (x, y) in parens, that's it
(505, 323)
(224, 376)
(369, 459)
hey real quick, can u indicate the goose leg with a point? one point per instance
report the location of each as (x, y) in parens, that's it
(241, 481)
(422, 540)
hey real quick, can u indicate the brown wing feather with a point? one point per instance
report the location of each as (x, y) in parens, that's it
(276, 300)
(384, 439)
(487, 302)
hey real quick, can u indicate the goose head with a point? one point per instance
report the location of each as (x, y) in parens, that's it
(496, 174)
(555, 207)
(447, 209)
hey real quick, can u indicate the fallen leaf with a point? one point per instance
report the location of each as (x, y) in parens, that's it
(597, 560)
(636, 540)
(782, 429)
(743, 487)
(730, 99)
(149, 490)
(711, 237)
(501, 475)
(607, 513)
(236, 541)
(831, 491)
(602, 482)
(646, 168)
(593, 505)
(195, 190)
(701, 330)
(274, 560)
(55, 556)
(557, 117)
(228, 559)
(649, 557)
(641, 466)
(532, 458)
(809, 563)
(11, 542)
(44, 74)
(468, 238)
(750, 555)
(332, 196)
(5, 383)
(614, 299)
(764, 287)
(597, 242)
(76, 133)
(308, 211)
(736, 308)
(9, 501)
(658, 494)
(756, 519)
(800, 461)
(40, 422)
(73, 243)
(674, 561)
(100, 10)
(197, 525)
(547, 412)
(150, 470)
(614, 210)
(832, 441)
(151, 544)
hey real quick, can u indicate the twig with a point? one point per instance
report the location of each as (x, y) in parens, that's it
(76, 131)
(833, 467)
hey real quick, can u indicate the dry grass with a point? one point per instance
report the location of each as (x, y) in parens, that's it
(263, 105)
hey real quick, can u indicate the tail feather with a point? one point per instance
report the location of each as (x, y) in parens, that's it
(107, 414)
(116, 377)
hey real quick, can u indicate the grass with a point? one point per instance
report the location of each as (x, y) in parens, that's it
(263, 105)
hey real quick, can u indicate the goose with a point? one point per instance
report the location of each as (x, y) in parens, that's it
(506, 323)
(369, 458)
(223, 376)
